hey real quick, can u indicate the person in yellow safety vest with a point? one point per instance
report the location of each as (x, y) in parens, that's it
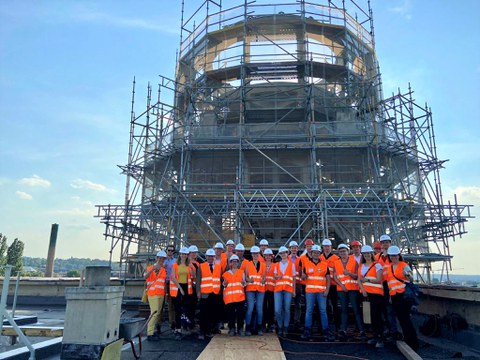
(208, 294)
(328, 256)
(234, 296)
(255, 291)
(284, 275)
(399, 274)
(263, 246)
(295, 258)
(155, 276)
(370, 278)
(389, 314)
(316, 276)
(181, 286)
(268, 301)
(345, 273)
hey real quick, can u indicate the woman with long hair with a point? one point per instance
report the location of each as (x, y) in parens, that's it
(181, 289)
(370, 278)
(255, 291)
(268, 301)
(284, 275)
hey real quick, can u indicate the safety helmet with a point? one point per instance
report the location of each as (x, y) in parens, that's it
(326, 242)
(393, 250)
(355, 243)
(282, 249)
(385, 237)
(309, 242)
(161, 253)
(254, 250)
(193, 248)
(240, 247)
(230, 242)
(366, 248)
(316, 248)
(184, 250)
(268, 252)
(342, 246)
(377, 245)
(210, 252)
(218, 245)
(264, 242)
(292, 243)
(234, 257)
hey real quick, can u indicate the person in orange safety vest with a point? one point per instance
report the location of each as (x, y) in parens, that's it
(234, 296)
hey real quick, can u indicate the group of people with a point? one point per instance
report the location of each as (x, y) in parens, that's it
(255, 296)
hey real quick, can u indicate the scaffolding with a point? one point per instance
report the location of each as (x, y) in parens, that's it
(275, 127)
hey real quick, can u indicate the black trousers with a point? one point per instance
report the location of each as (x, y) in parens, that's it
(268, 309)
(334, 315)
(208, 311)
(402, 311)
(236, 314)
(182, 306)
(377, 308)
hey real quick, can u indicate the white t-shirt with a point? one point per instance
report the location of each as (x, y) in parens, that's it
(365, 268)
(283, 267)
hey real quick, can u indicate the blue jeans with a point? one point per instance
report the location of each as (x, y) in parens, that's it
(254, 299)
(321, 300)
(283, 300)
(344, 298)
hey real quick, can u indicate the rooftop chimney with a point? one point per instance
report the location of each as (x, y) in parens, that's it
(51, 251)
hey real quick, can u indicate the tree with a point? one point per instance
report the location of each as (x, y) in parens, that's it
(73, 273)
(14, 256)
(3, 249)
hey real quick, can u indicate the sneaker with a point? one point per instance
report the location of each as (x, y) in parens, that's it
(329, 335)
(379, 344)
(280, 332)
(241, 333)
(201, 337)
(372, 341)
(209, 335)
(178, 336)
(285, 332)
(248, 331)
(342, 335)
(306, 334)
(231, 332)
(260, 332)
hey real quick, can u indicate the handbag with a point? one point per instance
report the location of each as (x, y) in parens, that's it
(367, 315)
(412, 291)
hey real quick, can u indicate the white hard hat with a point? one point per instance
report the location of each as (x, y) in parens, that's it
(293, 243)
(282, 249)
(342, 246)
(326, 242)
(254, 249)
(264, 242)
(268, 252)
(366, 248)
(161, 253)
(316, 248)
(230, 242)
(184, 250)
(234, 257)
(385, 237)
(240, 247)
(193, 248)
(210, 252)
(393, 250)
(218, 245)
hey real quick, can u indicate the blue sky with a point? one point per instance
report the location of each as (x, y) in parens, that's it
(66, 69)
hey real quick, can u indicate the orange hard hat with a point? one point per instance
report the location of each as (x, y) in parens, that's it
(309, 242)
(355, 243)
(377, 245)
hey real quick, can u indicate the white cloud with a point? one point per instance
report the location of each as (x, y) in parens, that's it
(35, 180)
(87, 184)
(86, 212)
(23, 195)
(403, 8)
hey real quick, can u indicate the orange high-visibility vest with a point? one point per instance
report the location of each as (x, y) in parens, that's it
(385, 262)
(269, 279)
(173, 287)
(223, 262)
(298, 269)
(156, 282)
(286, 282)
(349, 282)
(234, 291)
(256, 276)
(210, 282)
(371, 274)
(395, 286)
(316, 276)
(331, 264)
(260, 258)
